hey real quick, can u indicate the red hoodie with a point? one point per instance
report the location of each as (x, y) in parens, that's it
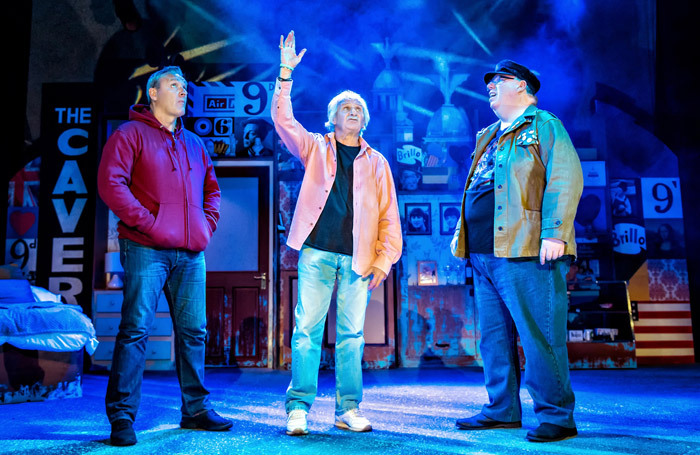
(160, 184)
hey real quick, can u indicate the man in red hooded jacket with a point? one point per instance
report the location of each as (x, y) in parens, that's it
(159, 180)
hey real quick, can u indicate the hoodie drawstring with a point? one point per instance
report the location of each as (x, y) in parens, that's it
(170, 151)
(187, 152)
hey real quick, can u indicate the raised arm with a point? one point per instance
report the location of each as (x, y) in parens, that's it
(299, 141)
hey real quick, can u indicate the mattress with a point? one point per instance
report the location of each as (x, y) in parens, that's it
(46, 326)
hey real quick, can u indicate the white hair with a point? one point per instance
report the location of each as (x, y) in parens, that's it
(339, 99)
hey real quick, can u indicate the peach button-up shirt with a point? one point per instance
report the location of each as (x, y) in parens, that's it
(376, 226)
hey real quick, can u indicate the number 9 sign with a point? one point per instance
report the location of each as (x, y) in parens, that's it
(661, 198)
(255, 93)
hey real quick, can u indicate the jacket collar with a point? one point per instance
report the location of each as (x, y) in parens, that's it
(525, 117)
(485, 136)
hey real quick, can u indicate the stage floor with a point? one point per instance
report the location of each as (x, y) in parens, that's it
(647, 410)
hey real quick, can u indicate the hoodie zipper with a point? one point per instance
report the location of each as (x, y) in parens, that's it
(184, 187)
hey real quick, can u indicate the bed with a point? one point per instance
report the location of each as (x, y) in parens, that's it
(41, 344)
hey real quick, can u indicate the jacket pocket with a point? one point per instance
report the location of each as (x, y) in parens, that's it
(168, 230)
(200, 231)
(526, 240)
(534, 220)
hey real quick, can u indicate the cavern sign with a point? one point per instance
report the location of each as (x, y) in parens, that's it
(67, 192)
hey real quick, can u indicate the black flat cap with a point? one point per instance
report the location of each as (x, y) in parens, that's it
(511, 68)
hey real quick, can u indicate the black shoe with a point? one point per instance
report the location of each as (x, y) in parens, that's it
(208, 420)
(122, 433)
(548, 432)
(481, 422)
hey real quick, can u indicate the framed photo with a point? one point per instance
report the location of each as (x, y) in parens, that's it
(427, 273)
(449, 216)
(417, 218)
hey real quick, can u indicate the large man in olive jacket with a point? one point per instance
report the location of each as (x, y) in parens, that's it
(517, 227)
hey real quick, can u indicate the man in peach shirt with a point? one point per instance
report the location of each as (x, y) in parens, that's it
(346, 225)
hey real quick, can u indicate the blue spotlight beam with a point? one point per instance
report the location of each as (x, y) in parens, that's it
(473, 94)
(432, 54)
(418, 109)
(413, 77)
(342, 56)
(216, 22)
(471, 32)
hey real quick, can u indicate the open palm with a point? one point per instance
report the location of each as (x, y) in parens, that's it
(288, 52)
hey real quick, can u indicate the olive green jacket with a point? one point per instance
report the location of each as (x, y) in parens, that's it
(537, 186)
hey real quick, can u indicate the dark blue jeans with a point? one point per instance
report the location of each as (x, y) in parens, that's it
(147, 272)
(524, 295)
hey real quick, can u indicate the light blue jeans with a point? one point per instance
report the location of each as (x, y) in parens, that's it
(147, 272)
(318, 271)
(521, 294)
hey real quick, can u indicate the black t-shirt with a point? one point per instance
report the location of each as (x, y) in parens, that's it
(479, 202)
(333, 231)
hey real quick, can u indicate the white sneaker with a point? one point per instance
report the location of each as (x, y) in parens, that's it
(296, 423)
(353, 420)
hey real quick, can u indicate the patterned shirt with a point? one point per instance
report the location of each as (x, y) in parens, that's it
(483, 173)
(479, 201)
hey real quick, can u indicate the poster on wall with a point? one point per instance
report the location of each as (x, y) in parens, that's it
(665, 238)
(410, 165)
(233, 118)
(67, 198)
(662, 198)
(23, 221)
(593, 173)
(20, 243)
(591, 221)
(594, 259)
(629, 239)
(628, 233)
(624, 200)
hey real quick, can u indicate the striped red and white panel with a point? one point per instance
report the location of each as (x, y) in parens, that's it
(664, 333)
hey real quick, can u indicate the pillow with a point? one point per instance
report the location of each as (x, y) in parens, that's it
(44, 295)
(15, 291)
